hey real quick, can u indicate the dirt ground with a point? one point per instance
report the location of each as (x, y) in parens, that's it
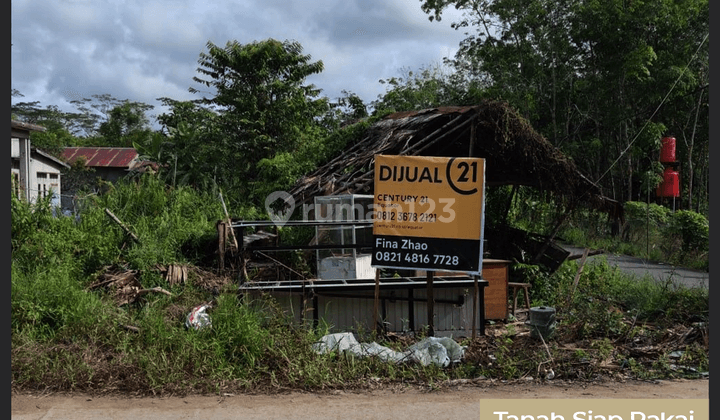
(455, 401)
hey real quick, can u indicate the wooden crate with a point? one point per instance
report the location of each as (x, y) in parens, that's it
(495, 272)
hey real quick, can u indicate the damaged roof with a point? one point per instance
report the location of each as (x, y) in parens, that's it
(514, 153)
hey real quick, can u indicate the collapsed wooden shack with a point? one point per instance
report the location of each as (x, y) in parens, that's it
(514, 152)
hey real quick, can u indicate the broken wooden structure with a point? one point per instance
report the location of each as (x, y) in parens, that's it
(515, 154)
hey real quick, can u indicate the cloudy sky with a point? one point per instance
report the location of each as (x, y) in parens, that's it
(143, 50)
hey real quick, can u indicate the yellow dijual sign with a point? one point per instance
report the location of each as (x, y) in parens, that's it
(428, 212)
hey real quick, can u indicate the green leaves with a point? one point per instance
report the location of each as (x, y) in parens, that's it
(588, 72)
(265, 110)
(126, 124)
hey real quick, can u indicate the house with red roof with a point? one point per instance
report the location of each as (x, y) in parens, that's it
(108, 163)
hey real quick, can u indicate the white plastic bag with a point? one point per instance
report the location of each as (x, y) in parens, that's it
(438, 350)
(198, 318)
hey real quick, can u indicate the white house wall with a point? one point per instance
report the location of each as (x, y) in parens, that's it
(38, 164)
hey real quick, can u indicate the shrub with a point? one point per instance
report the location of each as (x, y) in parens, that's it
(639, 216)
(693, 229)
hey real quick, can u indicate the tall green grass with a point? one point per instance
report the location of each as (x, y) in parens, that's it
(605, 295)
(66, 337)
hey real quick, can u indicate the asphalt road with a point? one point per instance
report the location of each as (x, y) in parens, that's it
(640, 268)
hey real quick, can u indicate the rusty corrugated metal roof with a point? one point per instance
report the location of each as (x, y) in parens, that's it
(107, 157)
(25, 126)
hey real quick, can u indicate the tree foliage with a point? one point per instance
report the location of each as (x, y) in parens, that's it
(426, 88)
(261, 108)
(260, 93)
(602, 80)
(101, 120)
(127, 123)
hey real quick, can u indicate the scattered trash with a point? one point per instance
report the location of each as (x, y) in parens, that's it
(437, 350)
(432, 350)
(125, 284)
(198, 318)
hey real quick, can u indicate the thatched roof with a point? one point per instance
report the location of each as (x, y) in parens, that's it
(514, 153)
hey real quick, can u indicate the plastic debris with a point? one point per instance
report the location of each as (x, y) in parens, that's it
(198, 318)
(432, 350)
(438, 350)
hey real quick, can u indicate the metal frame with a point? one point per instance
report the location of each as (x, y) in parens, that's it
(310, 289)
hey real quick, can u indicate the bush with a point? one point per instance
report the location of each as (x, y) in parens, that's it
(692, 229)
(639, 216)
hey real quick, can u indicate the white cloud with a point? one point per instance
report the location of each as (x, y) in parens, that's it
(142, 50)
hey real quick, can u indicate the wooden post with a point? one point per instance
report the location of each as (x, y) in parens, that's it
(243, 263)
(411, 309)
(303, 304)
(377, 297)
(481, 293)
(316, 310)
(221, 243)
(430, 301)
(227, 216)
(476, 294)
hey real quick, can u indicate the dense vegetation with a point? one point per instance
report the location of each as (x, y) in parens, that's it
(68, 334)
(602, 81)
(649, 230)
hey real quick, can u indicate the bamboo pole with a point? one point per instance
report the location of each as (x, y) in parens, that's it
(122, 225)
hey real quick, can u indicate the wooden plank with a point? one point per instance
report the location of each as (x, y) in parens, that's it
(496, 297)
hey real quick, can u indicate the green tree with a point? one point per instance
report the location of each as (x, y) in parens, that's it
(127, 123)
(190, 147)
(100, 120)
(264, 105)
(348, 109)
(56, 123)
(94, 111)
(429, 87)
(602, 80)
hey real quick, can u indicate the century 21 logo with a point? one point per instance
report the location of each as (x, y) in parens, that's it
(468, 173)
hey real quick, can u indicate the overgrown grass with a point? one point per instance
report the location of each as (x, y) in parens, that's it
(650, 231)
(66, 337)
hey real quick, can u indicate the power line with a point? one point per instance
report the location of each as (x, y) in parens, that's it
(656, 110)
